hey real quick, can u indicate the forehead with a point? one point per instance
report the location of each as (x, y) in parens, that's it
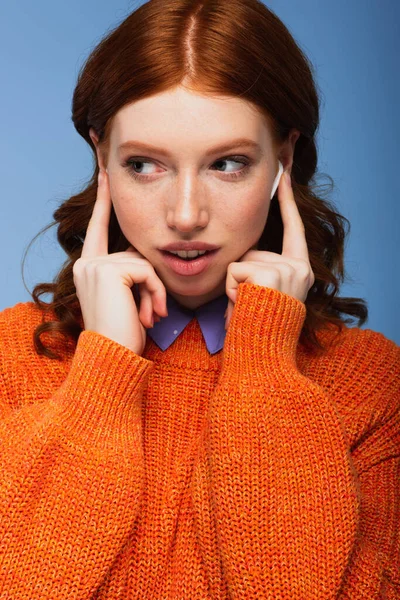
(184, 115)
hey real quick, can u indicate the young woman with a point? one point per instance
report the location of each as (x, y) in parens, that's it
(198, 427)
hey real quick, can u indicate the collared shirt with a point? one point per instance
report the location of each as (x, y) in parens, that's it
(210, 317)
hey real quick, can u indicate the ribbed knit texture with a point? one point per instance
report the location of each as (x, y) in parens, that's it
(260, 472)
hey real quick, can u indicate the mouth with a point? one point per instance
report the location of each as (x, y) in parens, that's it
(188, 258)
(189, 266)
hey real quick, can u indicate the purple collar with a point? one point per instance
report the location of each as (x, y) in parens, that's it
(210, 317)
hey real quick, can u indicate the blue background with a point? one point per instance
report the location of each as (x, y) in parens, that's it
(352, 45)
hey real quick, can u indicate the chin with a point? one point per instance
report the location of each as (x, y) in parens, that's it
(197, 289)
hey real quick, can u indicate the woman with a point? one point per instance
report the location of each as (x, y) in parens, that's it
(152, 448)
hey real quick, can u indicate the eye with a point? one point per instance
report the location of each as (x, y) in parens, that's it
(132, 164)
(238, 160)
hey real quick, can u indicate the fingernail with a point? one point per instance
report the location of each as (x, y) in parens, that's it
(288, 178)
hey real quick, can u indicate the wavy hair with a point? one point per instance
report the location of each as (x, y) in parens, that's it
(238, 48)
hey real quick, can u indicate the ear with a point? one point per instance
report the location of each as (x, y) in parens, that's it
(100, 158)
(287, 150)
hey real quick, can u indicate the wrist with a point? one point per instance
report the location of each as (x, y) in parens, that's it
(264, 331)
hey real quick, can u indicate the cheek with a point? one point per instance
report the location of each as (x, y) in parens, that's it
(131, 213)
(250, 214)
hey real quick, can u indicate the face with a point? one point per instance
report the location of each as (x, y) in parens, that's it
(191, 192)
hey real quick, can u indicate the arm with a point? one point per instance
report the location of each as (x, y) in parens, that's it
(275, 463)
(72, 474)
(373, 571)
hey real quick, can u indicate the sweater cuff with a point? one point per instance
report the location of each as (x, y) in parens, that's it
(264, 331)
(100, 399)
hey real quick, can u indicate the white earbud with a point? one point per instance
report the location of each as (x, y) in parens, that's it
(277, 180)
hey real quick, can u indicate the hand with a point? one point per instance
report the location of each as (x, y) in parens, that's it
(289, 272)
(103, 282)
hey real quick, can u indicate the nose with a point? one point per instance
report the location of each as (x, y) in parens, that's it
(187, 204)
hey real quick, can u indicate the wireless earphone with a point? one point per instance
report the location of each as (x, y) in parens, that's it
(277, 179)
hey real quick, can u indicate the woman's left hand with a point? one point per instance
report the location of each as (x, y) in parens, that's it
(289, 272)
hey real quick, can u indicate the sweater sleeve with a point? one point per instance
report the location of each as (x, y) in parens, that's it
(373, 570)
(72, 474)
(292, 516)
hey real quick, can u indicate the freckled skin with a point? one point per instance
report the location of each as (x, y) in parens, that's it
(190, 196)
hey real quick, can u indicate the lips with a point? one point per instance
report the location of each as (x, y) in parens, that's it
(203, 253)
(194, 266)
(176, 246)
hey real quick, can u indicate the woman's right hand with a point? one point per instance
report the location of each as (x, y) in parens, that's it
(103, 282)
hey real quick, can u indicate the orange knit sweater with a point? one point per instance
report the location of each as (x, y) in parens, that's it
(260, 472)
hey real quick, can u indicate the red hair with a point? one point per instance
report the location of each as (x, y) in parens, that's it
(238, 48)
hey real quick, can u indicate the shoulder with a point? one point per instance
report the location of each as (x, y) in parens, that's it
(361, 341)
(360, 370)
(18, 324)
(20, 316)
(25, 376)
(365, 350)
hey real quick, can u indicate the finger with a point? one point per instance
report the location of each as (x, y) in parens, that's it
(229, 311)
(249, 272)
(146, 306)
(122, 256)
(294, 238)
(153, 283)
(96, 239)
(152, 296)
(232, 284)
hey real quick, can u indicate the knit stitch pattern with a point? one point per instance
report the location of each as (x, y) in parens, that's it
(261, 472)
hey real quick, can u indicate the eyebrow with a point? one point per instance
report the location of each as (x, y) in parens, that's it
(242, 142)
